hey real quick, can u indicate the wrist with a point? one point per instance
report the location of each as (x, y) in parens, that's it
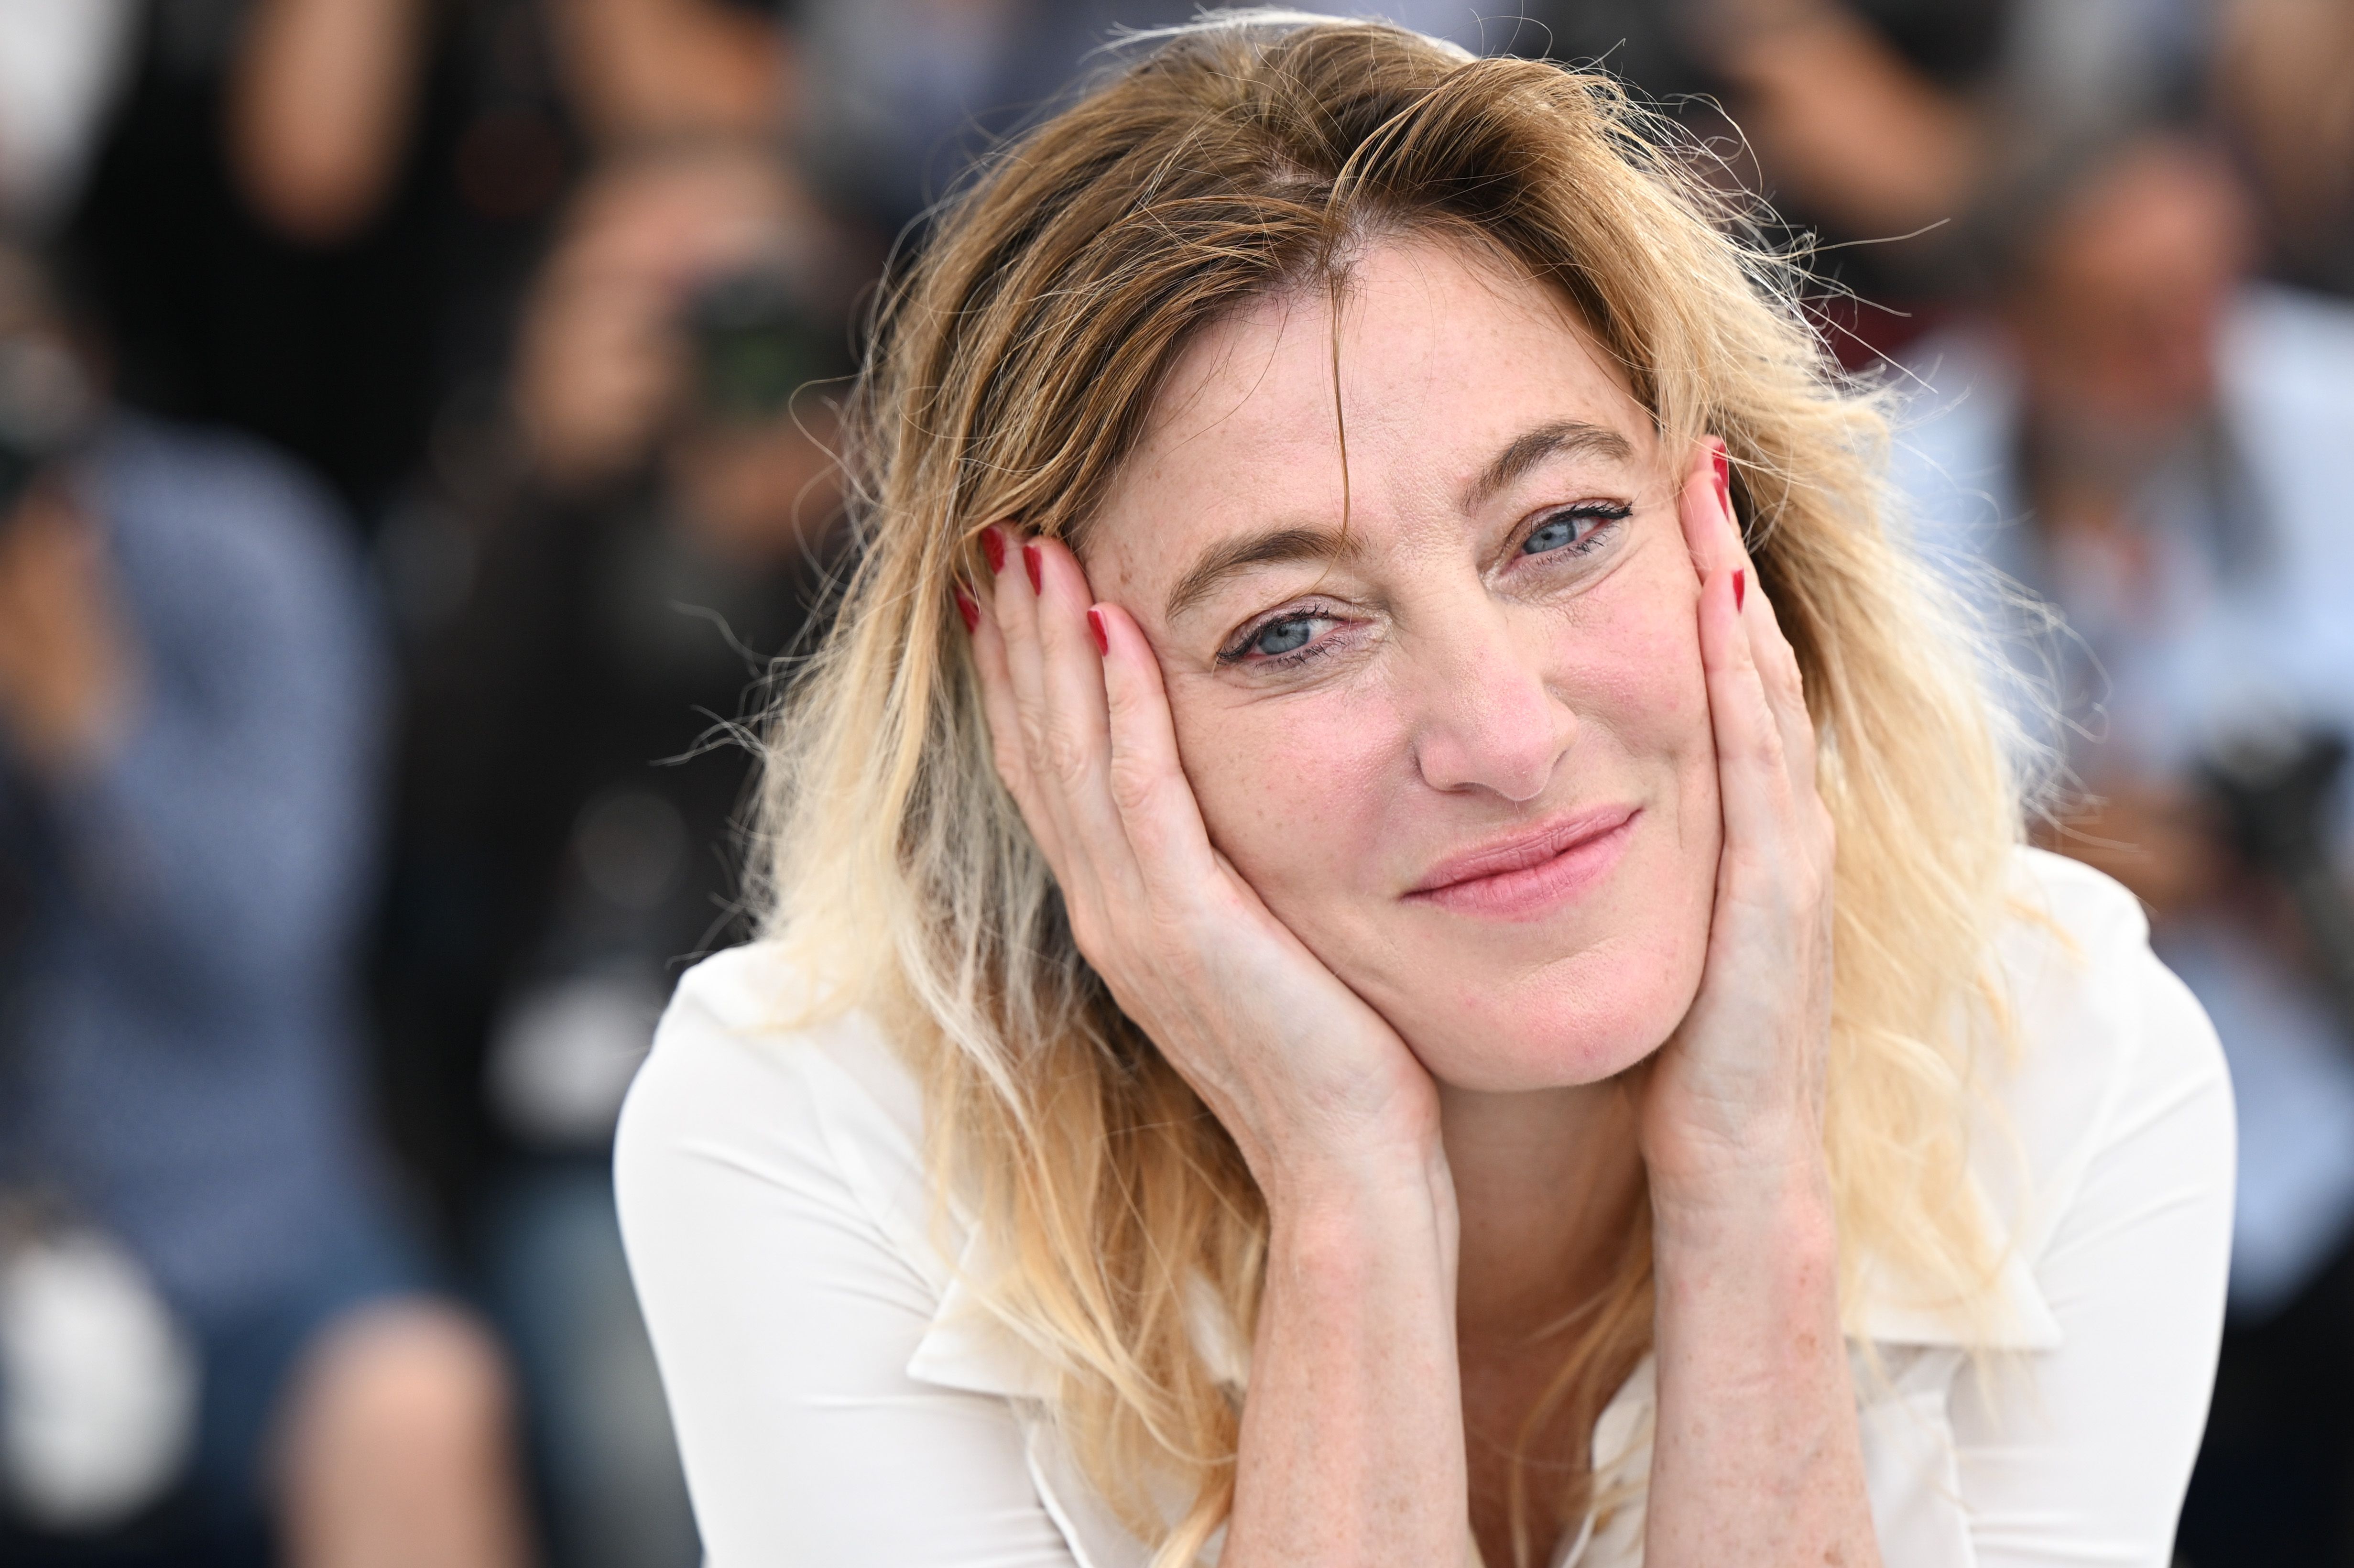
(1777, 1196)
(1310, 1166)
(1329, 1212)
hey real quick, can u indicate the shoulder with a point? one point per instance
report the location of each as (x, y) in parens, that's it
(2109, 1043)
(739, 1094)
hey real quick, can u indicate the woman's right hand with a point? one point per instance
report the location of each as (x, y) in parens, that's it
(1317, 1090)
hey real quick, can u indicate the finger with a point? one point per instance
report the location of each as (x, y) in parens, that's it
(1704, 507)
(1713, 533)
(1041, 598)
(1785, 692)
(1753, 776)
(1777, 662)
(1007, 748)
(1147, 779)
(1076, 720)
(1011, 608)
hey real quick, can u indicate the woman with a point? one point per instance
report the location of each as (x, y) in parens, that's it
(1398, 935)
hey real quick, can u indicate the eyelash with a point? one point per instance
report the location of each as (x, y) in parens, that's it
(1238, 651)
(1605, 515)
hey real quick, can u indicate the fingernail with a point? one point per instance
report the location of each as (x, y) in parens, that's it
(1723, 479)
(1103, 637)
(1034, 563)
(1739, 585)
(968, 610)
(992, 545)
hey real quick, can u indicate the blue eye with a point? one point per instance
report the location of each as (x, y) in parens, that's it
(1550, 535)
(1562, 531)
(1283, 636)
(1283, 641)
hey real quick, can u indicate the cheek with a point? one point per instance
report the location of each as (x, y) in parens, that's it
(1645, 686)
(1291, 790)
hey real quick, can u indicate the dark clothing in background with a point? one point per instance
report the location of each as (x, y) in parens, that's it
(566, 799)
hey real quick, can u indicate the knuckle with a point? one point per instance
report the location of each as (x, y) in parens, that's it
(1010, 761)
(1133, 784)
(1788, 673)
(1063, 756)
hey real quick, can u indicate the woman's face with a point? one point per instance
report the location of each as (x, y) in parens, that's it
(1462, 749)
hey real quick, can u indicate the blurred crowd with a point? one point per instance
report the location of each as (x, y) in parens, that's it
(415, 433)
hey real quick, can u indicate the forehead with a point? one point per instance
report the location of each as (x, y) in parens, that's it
(1434, 355)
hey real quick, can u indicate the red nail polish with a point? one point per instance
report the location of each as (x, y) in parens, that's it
(968, 610)
(993, 547)
(1103, 636)
(1739, 585)
(1724, 479)
(1034, 563)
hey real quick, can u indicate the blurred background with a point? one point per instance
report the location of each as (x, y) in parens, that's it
(414, 430)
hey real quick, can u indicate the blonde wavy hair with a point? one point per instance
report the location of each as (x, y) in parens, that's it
(1012, 369)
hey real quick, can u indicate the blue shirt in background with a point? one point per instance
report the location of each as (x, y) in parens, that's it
(182, 1063)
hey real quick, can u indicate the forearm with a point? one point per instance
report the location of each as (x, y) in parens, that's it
(1351, 1447)
(1756, 1457)
(1886, 153)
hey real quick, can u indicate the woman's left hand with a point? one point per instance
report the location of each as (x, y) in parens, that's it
(1757, 1455)
(1733, 1102)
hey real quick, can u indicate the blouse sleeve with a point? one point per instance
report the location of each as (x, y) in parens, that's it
(2081, 1454)
(783, 1317)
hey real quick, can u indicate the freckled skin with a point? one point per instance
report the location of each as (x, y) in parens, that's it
(1466, 687)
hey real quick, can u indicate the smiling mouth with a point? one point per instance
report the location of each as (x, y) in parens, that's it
(1530, 874)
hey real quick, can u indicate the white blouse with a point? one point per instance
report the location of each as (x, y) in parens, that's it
(840, 1400)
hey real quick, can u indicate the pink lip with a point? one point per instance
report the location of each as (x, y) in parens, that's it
(1530, 872)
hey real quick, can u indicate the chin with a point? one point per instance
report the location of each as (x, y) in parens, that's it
(1491, 1011)
(1581, 1021)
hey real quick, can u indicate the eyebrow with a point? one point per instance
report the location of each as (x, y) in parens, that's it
(1277, 546)
(1222, 561)
(1562, 438)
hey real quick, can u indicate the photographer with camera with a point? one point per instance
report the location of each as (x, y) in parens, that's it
(2153, 445)
(214, 1336)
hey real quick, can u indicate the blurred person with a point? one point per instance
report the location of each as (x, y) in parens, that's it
(2151, 444)
(1879, 127)
(2285, 93)
(189, 694)
(1297, 1008)
(571, 777)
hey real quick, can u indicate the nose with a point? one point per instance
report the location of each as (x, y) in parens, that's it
(1487, 718)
